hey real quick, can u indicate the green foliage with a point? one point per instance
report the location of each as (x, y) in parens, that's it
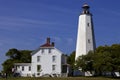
(85, 62)
(8, 65)
(16, 56)
(13, 54)
(26, 56)
(105, 58)
(71, 59)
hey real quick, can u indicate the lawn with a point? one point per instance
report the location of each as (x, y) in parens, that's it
(69, 78)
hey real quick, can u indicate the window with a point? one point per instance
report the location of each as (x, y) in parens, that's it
(53, 67)
(38, 58)
(88, 40)
(42, 51)
(53, 58)
(22, 68)
(29, 68)
(49, 50)
(38, 68)
(88, 24)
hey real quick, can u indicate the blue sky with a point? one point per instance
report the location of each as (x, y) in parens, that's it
(25, 24)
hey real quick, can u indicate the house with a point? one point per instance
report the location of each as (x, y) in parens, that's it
(45, 61)
(22, 69)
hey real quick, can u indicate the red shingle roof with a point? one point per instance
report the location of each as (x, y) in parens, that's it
(47, 44)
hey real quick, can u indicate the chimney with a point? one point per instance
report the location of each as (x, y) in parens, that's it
(53, 44)
(48, 40)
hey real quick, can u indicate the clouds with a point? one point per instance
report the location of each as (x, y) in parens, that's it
(27, 23)
(15, 23)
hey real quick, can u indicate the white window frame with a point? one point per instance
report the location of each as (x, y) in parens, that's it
(38, 68)
(29, 68)
(53, 58)
(53, 67)
(23, 68)
(38, 58)
(49, 50)
(42, 50)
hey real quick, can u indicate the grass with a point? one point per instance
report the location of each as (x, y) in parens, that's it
(68, 78)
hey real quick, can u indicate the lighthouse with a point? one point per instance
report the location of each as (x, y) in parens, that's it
(85, 36)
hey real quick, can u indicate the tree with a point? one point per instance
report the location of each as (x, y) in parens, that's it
(104, 59)
(26, 56)
(71, 62)
(85, 62)
(15, 56)
(71, 59)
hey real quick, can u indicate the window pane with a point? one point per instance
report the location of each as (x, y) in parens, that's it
(38, 58)
(53, 67)
(22, 68)
(88, 24)
(88, 40)
(49, 50)
(42, 51)
(38, 68)
(29, 68)
(53, 58)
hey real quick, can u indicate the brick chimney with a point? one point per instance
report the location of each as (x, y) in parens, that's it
(53, 44)
(48, 40)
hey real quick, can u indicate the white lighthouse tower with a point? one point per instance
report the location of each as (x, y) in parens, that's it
(85, 36)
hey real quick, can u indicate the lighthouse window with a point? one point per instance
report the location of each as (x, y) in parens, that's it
(88, 24)
(88, 40)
